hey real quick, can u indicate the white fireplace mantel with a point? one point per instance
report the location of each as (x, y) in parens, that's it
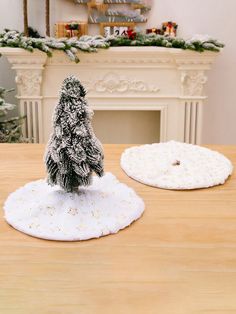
(119, 78)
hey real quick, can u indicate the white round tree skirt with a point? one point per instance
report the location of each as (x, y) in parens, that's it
(50, 213)
(176, 166)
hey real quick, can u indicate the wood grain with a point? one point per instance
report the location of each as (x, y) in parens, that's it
(179, 258)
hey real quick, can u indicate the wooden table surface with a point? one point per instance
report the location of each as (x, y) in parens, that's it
(179, 258)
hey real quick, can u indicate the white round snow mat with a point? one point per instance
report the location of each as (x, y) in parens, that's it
(50, 213)
(176, 166)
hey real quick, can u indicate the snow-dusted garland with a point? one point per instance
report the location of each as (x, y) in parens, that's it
(69, 45)
(90, 43)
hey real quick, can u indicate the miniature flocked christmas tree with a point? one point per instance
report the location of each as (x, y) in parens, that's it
(73, 152)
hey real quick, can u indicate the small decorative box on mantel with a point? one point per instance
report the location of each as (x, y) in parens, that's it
(71, 29)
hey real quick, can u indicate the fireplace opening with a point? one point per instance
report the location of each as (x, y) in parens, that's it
(127, 127)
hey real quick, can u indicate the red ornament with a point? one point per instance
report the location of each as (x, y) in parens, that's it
(131, 34)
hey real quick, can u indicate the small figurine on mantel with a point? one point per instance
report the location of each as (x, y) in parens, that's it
(169, 29)
(72, 205)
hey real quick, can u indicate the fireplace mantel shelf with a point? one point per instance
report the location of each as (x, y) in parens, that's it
(119, 78)
(7, 50)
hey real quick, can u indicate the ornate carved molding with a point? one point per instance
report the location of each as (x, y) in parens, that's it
(29, 82)
(113, 83)
(28, 67)
(193, 83)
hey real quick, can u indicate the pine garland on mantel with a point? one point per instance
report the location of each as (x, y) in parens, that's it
(87, 43)
(69, 45)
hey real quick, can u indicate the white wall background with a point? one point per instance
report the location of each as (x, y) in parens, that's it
(213, 17)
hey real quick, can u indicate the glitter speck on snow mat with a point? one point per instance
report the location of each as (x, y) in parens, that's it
(47, 212)
(175, 165)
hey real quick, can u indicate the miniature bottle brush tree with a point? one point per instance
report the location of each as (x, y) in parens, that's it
(73, 151)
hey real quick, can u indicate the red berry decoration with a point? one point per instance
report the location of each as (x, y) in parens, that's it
(131, 34)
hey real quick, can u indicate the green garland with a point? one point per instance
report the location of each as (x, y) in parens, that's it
(69, 45)
(197, 43)
(86, 43)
